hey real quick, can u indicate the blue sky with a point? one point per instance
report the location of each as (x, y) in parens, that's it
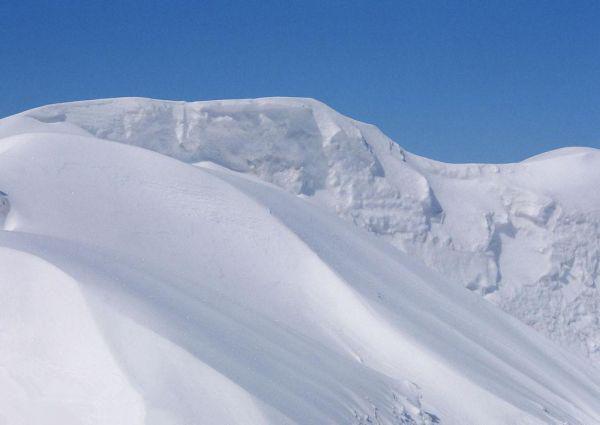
(460, 81)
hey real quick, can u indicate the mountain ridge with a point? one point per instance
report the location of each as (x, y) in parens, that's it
(208, 288)
(353, 169)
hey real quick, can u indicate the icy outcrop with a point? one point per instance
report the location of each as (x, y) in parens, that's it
(4, 208)
(526, 235)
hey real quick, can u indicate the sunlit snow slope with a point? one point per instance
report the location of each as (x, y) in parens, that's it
(141, 289)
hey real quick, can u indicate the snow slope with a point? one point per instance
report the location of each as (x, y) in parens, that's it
(141, 289)
(526, 236)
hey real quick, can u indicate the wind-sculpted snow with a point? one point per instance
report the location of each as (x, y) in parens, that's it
(139, 289)
(526, 236)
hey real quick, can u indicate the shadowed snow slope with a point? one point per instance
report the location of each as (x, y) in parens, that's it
(140, 289)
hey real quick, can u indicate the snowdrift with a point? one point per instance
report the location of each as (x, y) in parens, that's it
(525, 236)
(220, 285)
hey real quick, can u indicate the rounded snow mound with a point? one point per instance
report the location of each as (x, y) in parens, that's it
(562, 152)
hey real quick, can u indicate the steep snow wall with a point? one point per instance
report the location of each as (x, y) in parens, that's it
(526, 236)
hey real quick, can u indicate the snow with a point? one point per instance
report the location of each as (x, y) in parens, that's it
(220, 285)
(476, 224)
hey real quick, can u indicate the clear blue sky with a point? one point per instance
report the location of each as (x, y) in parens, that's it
(457, 81)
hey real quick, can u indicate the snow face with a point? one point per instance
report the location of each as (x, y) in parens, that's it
(142, 289)
(526, 236)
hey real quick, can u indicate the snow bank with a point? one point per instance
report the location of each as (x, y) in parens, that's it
(148, 288)
(524, 235)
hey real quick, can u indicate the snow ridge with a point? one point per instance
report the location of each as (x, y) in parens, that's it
(526, 236)
(200, 286)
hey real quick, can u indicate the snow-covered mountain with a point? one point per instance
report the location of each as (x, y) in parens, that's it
(184, 286)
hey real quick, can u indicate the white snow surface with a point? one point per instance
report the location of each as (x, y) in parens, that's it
(212, 281)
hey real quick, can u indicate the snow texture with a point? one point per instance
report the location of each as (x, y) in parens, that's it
(141, 289)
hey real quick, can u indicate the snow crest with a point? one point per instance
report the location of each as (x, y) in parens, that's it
(526, 236)
(196, 290)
